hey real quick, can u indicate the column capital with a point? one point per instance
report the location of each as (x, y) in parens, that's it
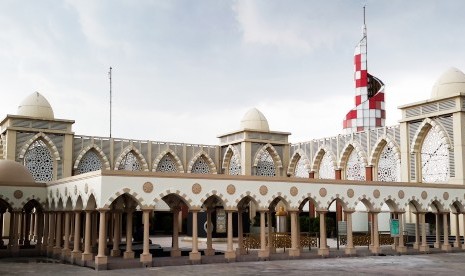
(195, 209)
(321, 211)
(230, 209)
(103, 210)
(263, 210)
(349, 211)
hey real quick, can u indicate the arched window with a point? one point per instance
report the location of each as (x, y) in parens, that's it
(434, 158)
(201, 166)
(38, 160)
(326, 169)
(300, 170)
(265, 165)
(234, 166)
(167, 164)
(130, 163)
(388, 165)
(354, 167)
(89, 162)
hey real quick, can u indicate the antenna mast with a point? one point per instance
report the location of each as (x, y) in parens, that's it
(109, 75)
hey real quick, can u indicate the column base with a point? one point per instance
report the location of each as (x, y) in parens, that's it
(446, 247)
(43, 248)
(456, 244)
(375, 250)
(324, 252)
(65, 253)
(195, 257)
(263, 254)
(115, 252)
(146, 260)
(176, 253)
(128, 255)
(437, 245)
(424, 248)
(75, 256)
(294, 252)
(50, 251)
(101, 263)
(86, 257)
(209, 252)
(272, 250)
(57, 252)
(230, 256)
(350, 251)
(463, 246)
(416, 246)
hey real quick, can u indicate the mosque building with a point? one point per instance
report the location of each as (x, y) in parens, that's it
(94, 201)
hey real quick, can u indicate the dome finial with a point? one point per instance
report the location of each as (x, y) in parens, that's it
(255, 120)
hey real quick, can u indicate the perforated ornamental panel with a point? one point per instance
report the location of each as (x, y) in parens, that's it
(167, 164)
(327, 169)
(388, 167)
(300, 170)
(434, 158)
(130, 163)
(235, 166)
(201, 166)
(89, 162)
(38, 160)
(265, 165)
(354, 167)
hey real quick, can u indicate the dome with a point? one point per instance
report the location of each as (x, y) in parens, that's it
(14, 172)
(36, 105)
(450, 83)
(254, 120)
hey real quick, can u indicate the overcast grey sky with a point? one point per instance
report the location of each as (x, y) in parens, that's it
(186, 71)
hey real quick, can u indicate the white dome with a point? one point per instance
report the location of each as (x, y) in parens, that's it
(450, 83)
(36, 105)
(14, 172)
(254, 120)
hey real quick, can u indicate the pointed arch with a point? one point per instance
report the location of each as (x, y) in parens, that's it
(230, 153)
(299, 155)
(125, 192)
(385, 159)
(100, 153)
(209, 161)
(321, 155)
(379, 145)
(171, 153)
(425, 126)
(44, 138)
(274, 155)
(347, 150)
(137, 154)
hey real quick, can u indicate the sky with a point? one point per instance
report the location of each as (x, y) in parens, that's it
(187, 71)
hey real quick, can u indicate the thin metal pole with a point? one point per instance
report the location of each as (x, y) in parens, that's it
(109, 75)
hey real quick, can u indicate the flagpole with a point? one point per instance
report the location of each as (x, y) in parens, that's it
(109, 76)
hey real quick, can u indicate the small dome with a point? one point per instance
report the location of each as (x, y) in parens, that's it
(36, 105)
(14, 172)
(254, 120)
(450, 83)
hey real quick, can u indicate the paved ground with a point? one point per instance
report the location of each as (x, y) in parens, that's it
(431, 264)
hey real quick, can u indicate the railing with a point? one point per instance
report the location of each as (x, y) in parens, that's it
(279, 240)
(364, 239)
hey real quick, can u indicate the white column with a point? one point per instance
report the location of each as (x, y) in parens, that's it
(194, 255)
(146, 257)
(424, 246)
(401, 248)
(323, 250)
(101, 259)
(294, 251)
(457, 231)
(240, 234)
(65, 252)
(446, 245)
(175, 252)
(129, 254)
(230, 254)
(209, 251)
(87, 255)
(350, 249)
(76, 253)
(437, 244)
(116, 234)
(263, 253)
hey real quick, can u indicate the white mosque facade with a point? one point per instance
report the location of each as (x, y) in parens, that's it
(84, 199)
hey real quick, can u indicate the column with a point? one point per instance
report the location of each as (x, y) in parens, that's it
(58, 236)
(14, 221)
(446, 245)
(45, 235)
(27, 228)
(1, 227)
(35, 232)
(457, 231)
(416, 245)
(376, 249)
(22, 229)
(76, 253)
(51, 233)
(350, 249)
(194, 255)
(230, 254)
(294, 251)
(401, 248)
(370, 217)
(175, 252)
(271, 247)
(240, 235)
(101, 259)
(463, 245)
(94, 233)
(424, 246)
(116, 234)
(209, 251)
(437, 244)
(146, 257)
(263, 253)
(129, 254)
(87, 255)
(66, 251)
(40, 230)
(323, 250)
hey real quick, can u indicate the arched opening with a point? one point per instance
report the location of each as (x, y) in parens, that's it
(90, 161)
(388, 163)
(434, 156)
(167, 163)
(38, 160)
(248, 225)
(232, 161)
